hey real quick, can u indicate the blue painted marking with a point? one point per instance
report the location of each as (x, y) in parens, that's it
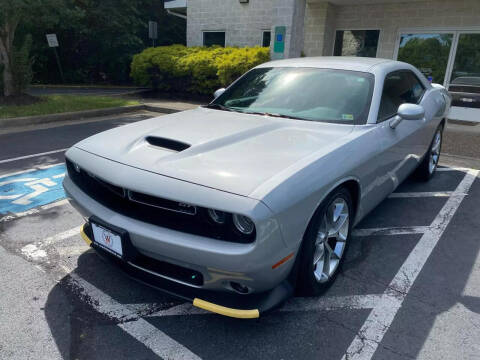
(22, 192)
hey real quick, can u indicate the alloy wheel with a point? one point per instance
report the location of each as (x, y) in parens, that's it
(331, 240)
(435, 152)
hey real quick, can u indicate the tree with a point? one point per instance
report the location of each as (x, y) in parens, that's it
(14, 13)
(10, 17)
(98, 39)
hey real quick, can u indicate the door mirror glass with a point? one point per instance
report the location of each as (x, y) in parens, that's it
(411, 112)
(219, 92)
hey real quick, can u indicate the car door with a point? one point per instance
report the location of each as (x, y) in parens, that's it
(405, 144)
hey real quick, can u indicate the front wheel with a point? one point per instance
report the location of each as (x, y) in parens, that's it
(429, 164)
(325, 243)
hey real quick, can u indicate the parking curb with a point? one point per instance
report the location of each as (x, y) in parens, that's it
(79, 115)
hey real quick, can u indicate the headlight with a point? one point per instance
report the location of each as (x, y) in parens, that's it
(219, 217)
(243, 224)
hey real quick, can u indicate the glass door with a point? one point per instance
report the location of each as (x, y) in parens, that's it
(464, 83)
(429, 52)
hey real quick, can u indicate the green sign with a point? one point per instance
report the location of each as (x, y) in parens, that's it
(279, 43)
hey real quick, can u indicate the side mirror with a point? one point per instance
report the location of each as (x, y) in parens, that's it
(407, 112)
(219, 92)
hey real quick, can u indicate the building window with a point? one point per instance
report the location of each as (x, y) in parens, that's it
(211, 38)
(267, 35)
(356, 43)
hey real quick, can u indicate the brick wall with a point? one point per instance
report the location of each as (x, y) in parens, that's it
(319, 26)
(390, 18)
(243, 23)
(311, 24)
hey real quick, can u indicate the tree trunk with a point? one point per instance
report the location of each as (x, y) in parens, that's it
(8, 85)
(7, 33)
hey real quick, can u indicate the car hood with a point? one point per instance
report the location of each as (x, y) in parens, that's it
(228, 151)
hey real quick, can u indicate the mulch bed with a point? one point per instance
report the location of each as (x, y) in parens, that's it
(176, 96)
(23, 99)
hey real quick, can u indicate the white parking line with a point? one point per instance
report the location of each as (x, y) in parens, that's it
(420, 194)
(405, 230)
(153, 338)
(61, 236)
(381, 317)
(32, 155)
(453, 169)
(384, 306)
(42, 167)
(332, 303)
(33, 211)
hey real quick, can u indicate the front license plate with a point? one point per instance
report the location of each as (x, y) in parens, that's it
(107, 239)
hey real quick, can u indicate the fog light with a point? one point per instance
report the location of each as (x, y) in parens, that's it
(243, 224)
(242, 289)
(218, 217)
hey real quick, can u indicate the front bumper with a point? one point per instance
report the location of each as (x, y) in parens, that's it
(223, 303)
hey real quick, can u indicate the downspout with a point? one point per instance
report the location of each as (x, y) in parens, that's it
(170, 12)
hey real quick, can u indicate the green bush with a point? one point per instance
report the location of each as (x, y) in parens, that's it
(197, 70)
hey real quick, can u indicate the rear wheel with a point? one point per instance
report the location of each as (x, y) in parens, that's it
(429, 164)
(325, 243)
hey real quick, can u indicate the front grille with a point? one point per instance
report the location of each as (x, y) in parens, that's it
(157, 267)
(162, 203)
(154, 210)
(168, 270)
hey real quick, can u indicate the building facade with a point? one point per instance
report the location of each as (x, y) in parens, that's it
(441, 37)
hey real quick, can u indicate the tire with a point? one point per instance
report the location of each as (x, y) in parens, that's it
(316, 274)
(428, 166)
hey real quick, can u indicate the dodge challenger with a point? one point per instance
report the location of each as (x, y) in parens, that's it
(238, 204)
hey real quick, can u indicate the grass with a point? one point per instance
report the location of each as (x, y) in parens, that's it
(53, 104)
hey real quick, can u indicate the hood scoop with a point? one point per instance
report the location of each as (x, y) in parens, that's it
(168, 144)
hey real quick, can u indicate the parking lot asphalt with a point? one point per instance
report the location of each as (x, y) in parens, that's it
(410, 287)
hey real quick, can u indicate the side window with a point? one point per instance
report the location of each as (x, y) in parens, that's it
(266, 37)
(400, 87)
(211, 38)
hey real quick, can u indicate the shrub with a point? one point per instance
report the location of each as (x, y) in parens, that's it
(197, 70)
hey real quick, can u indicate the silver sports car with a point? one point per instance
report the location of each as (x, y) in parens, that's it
(238, 204)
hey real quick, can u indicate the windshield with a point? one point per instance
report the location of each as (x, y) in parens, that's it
(313, 94)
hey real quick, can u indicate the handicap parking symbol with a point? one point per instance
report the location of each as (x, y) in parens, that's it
(25, 191)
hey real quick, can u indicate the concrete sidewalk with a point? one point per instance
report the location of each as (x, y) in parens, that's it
(38, 90)
(168, 106)
(462, 140)
(152, 105)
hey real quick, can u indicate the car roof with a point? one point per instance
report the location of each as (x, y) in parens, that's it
(364, 64)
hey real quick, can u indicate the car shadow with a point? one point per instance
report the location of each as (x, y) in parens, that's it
(82, 332)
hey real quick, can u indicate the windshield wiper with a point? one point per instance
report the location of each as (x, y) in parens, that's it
(275, 115)
(217, 106)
